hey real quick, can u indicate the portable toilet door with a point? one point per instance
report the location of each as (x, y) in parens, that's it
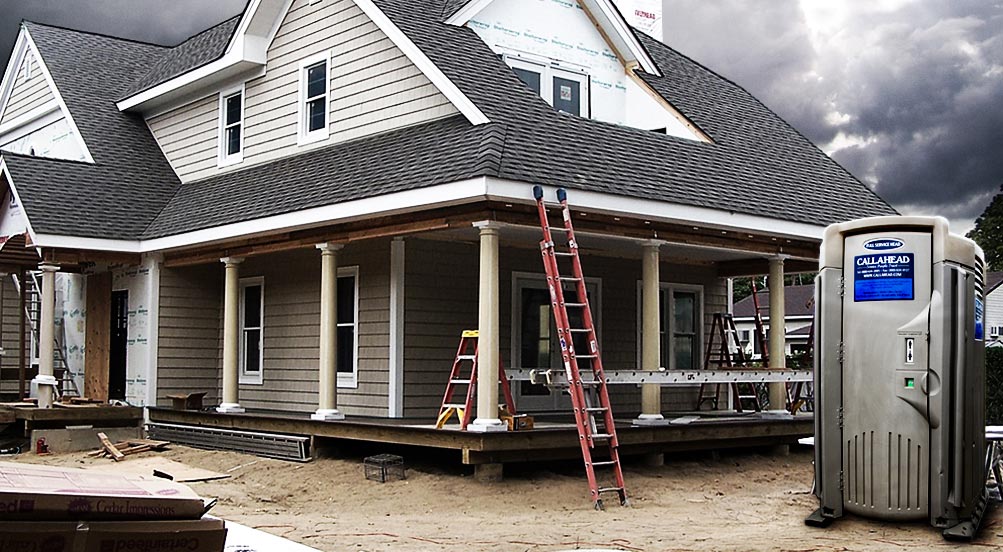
(899, 374)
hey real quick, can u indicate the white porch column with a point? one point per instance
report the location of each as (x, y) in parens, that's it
(651, 394)
(778, 356)
(328, 396)
(46, 380)
(231, 337)
(487, 341)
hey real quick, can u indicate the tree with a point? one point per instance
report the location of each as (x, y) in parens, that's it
(988, 232)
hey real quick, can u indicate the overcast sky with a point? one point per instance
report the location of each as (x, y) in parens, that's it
(906, 94)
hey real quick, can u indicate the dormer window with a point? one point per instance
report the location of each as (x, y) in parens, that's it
(314, 84)
(231, 126)
(565, 89)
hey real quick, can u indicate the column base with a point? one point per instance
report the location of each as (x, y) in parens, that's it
(230, 408)
(487, 425)
(650, 420)
(327, 415)
(45, 390)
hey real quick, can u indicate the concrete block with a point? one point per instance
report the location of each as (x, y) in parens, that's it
(80, 439)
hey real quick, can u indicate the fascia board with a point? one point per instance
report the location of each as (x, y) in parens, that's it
(11, 72)
(455, 193)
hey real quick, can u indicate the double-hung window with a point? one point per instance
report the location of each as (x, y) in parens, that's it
(314, 92)
(562, 87)
(680, 313)
(347, 321)
(231, 126)
(252, 321)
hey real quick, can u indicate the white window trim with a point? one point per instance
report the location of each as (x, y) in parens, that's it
(351, 380)
(535, 280)
(304, 137)
(670, 287)
(246, 378)
(549, 69)
(223, 159)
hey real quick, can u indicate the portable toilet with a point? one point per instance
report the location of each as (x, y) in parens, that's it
(900, 374)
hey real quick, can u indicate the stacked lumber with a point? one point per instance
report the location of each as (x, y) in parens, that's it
(118, 451)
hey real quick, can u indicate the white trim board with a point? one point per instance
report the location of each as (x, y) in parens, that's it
(455, 193)
(603, 13)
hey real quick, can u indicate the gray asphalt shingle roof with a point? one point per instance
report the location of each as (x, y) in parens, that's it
(199, 50)
(130, 181)
(757, 164)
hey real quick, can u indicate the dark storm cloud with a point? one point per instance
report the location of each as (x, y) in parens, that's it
(914, 92)
(159, 21)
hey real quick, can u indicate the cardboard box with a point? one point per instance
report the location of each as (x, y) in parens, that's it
(43, 493)
(204, 535)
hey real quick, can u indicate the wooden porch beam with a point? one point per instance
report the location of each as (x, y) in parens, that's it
(760, 267)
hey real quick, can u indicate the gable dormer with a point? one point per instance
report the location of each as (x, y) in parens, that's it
(34, 119)
(580, 56)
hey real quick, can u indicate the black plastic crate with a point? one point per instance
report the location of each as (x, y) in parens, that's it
(384, 467)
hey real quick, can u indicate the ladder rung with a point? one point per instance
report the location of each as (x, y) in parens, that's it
(596, 409)
(569, 279)
(466, 357)
(580, 330)
(454, 406)
(563, 254)
(610, 489)
(460, 381)
(604, 463)
(601, 435)
(586, 356)
(579, 305)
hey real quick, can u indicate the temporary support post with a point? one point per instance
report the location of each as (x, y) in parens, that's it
(487, 321)
(46, 379)
(22, 338)
(328, 392)
(651, 393)
(778, 358)
(231, 337)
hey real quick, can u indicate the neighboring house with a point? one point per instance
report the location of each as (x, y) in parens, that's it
(389, 147)
(799, 311)
(994, 309)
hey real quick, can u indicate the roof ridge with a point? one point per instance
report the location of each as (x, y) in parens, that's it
(93, 33)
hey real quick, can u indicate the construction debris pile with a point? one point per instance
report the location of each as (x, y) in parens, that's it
(67, 509)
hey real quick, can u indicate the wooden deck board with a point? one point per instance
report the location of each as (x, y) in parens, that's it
(552, 441)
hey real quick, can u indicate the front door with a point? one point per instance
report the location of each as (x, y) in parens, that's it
(537, 346)
(119, 341)
(886, 432)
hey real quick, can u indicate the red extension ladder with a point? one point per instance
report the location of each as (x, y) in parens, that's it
(589, 396)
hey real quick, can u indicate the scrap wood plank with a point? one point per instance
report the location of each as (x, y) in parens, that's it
(115, 453)
(131, 446)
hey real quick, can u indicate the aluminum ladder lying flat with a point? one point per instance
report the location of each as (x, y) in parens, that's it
(589, 395)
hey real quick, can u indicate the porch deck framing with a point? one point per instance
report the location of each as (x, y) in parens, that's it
(547, 443)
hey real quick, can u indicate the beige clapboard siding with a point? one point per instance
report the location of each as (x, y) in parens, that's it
(374, 88)
(27, 94)
(188, 135)
(292, 331)
(9, 326)
(441, 301)
(188, 354)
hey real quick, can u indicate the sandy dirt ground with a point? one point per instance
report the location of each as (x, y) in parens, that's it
(738, 501)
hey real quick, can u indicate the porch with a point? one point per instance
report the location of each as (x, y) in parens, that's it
(552, 438)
